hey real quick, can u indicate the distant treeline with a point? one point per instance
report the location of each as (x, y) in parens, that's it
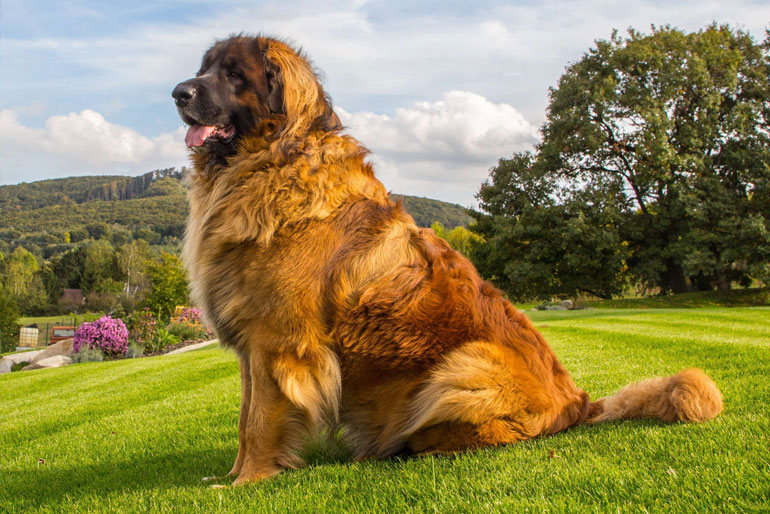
(50, 216)
(66, 191)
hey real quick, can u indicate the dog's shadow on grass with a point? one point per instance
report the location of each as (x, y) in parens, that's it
(47, 485)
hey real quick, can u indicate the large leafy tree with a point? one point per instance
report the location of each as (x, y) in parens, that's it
(681, 122)
(544, 237)
(654, 168)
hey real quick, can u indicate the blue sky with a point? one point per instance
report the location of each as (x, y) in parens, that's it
(439, 90)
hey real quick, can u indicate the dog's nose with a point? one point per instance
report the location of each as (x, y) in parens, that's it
(183, 93)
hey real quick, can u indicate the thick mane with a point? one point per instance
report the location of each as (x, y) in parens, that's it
(298, 164)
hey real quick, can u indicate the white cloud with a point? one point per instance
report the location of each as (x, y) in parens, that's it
(448, 144)
(439, 149)
(82, 142)
(377, 57)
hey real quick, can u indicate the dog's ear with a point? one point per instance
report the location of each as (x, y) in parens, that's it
(303, 101)
(274, 87)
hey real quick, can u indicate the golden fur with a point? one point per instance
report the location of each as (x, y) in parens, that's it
(342, 310)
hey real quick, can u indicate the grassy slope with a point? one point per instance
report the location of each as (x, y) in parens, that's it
(138, 435)
(731, 298)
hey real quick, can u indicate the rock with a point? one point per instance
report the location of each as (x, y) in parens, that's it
(567, 304)
(22, 356)
(61, 348)
(5, 366)
(555, 308)
(57, 361)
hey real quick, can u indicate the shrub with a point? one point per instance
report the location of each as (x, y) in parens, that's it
(144, 328)
(87, 354)
(163, 338)
(105, 334)
(187, 324)
(9, 328)
(18, 366)
(134, 351)
(168, 285)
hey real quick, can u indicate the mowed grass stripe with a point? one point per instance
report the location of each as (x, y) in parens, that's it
(89, 394)
(175, 421)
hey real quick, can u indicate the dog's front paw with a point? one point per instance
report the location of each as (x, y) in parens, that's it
(247, 477)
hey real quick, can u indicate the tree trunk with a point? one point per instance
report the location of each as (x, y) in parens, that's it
(722, 282)
(675, 278)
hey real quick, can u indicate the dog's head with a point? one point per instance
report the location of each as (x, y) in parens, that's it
(251, 86)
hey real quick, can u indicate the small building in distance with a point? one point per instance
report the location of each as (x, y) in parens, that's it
(72, 300)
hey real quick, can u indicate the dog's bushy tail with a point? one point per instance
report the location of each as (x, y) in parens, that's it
(690, 395)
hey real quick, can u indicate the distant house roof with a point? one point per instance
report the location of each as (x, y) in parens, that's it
(73, 296)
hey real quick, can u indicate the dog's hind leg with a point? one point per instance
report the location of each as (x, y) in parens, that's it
(486, 394)
(450, 437)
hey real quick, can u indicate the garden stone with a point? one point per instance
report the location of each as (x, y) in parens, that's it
(16, 358)
(57, 361)
(61, 348)
(567, 304)
(5, 366)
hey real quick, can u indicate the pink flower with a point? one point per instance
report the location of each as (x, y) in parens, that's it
(105, 334)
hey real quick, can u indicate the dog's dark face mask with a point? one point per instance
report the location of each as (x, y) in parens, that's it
(235, 88)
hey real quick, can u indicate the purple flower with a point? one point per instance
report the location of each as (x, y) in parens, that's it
(105, 334)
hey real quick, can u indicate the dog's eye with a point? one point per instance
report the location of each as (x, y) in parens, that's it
(233, 75)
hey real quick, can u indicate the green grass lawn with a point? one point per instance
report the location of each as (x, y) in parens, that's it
(138, 435)
(60, 319)
(732, 298)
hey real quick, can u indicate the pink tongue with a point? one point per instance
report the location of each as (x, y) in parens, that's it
(197, 135)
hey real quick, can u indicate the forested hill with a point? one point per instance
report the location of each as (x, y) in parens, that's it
(64, 191)
(48, 215)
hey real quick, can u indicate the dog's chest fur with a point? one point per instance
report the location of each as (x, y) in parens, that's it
(262, 238)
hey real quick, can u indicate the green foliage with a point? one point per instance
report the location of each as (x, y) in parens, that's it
(544, 239)
(19, 270)
(163, 215)
(426, 211)
(143, 327)
(77, 190)
(680, 122)
(101, 272)
(654, 171)
(186, 331)
(134, 351)
(87, 354)
(734, 298)
(163, 338)
(9, 327)
(459, 238)
(168, 285)
(18, 366)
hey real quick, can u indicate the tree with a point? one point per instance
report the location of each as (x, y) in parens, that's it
(99, 230)
(168, 285)
(459, 238)
(20, 268)
(132, 259)
(544, 238)
(682, 122)
(9, 327)
(101, 273)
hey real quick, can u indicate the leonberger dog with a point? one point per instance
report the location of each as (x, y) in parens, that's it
(342, 311)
